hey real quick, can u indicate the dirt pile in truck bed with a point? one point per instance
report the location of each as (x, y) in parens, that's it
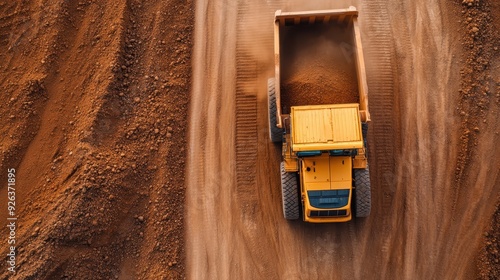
(323, 85)
(318, 65)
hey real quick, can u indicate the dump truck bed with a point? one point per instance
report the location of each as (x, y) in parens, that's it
(319, 60)
(326, 127)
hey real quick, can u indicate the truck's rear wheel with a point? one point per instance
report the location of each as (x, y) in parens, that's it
(289, 194)
(363, 192)
(275, 133)
(364, 129)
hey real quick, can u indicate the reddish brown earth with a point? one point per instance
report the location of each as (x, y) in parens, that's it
(489, 55)
(489, 259)
(94, 117)
(110, 183)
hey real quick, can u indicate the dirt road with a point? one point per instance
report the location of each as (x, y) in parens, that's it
(434, 185)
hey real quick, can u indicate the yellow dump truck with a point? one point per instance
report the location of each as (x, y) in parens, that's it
(318, 110)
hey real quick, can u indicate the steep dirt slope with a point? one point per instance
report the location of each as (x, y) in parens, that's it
(94, 122)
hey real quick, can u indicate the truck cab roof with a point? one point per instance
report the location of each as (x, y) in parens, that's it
(326, 127)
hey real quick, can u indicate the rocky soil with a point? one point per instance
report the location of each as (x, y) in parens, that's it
(95, 116)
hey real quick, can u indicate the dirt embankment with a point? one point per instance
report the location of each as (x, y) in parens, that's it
(95, 126)
(478, 87)
(481, 88)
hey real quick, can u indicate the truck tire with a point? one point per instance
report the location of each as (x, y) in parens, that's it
(289, 194)
(364, 129)
(275, 133)
(362, 192)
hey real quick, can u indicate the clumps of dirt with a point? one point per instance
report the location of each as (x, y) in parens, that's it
(319, 85)
(479, 91)
(489, 260)
(21, 111)
(480, 42)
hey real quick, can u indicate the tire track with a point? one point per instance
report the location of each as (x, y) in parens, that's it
(246, 122)
(378, 47)
(248, 192)
(246, 135)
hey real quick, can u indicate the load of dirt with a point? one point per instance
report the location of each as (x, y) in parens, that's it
(319, 85)
(95, 125)
(317, 66)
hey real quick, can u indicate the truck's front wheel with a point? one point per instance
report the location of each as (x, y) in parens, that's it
(363, 192)
(275, 133)
(289, 194)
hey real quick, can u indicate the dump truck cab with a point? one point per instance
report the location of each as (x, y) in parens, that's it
(324, 144)
(326, 188)
(324, 169)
